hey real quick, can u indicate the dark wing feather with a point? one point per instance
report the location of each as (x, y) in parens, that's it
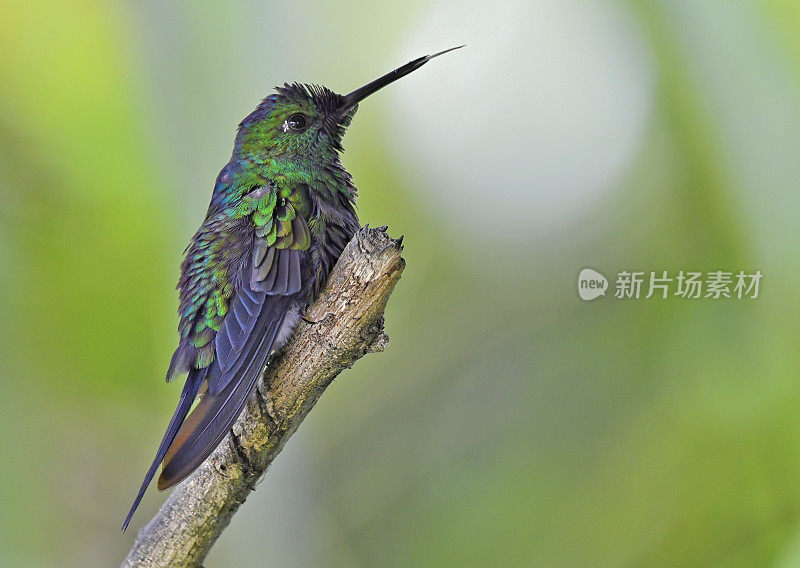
(273, 269)
(282, 278)
(215, 414)
(236, 328)
(190, 389)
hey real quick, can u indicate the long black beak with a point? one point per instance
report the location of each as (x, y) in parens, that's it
(352, 99)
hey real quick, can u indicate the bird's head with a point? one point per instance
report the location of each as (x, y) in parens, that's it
(298, 120)
(307, 122)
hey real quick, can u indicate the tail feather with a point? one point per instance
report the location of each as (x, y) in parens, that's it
(190, 389)
(215, 414)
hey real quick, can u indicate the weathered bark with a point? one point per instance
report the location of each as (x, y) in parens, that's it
(349, 324)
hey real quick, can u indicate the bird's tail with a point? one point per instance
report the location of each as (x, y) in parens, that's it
(188, 394)
(215, 414)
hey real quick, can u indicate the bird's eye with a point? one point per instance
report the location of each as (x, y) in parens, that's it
(297, 122)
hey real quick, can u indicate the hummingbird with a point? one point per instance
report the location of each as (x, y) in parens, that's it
(282, 210)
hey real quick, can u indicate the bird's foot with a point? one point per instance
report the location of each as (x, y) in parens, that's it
(308, 321)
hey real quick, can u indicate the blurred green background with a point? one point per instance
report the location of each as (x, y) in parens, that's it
(508, 423)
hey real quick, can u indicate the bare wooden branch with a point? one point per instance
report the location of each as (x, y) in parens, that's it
(349, 324)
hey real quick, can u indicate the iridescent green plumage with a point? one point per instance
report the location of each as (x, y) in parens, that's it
(281, 212)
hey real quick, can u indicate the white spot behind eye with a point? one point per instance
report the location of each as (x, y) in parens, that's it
(286, 125)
